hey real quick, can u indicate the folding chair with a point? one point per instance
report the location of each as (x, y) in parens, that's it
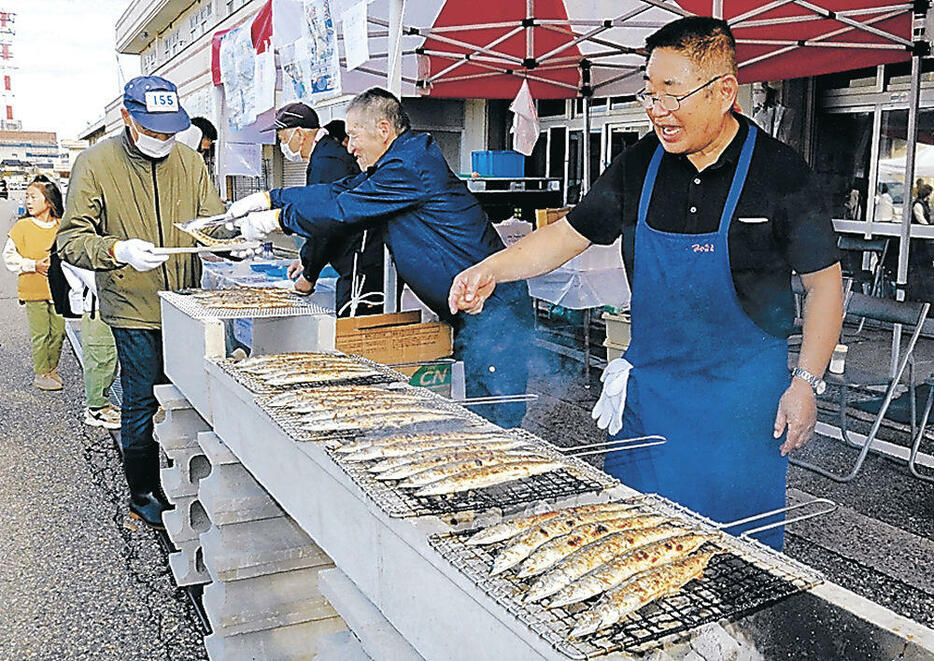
(854, 247)
(906, 313)
(922, 427)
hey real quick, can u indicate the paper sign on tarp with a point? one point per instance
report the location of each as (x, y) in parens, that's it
(242, 159)
(311, 64)
(356, 45)
(265, 81)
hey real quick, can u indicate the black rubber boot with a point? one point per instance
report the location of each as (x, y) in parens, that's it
(142, 477)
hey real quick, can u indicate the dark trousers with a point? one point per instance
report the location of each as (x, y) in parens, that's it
(495, 346)
(140, 354)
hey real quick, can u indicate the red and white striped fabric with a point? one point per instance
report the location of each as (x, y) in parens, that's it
(486, 49)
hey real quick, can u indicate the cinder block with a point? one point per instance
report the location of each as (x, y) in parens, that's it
(215, 449)
(265, 602)
(231, 495)
(298, 641)
(170, 397)
(256, 548)
(376, 636)
(189, 466)
(187, 565)
(186, 522)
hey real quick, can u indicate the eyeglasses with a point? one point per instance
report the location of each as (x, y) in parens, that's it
(670, 102)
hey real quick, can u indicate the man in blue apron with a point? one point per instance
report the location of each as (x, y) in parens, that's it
(715, 215)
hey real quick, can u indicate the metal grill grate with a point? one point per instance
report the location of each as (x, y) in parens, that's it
(384, 375)
(746, 578)
(195, 310)
(578, 479)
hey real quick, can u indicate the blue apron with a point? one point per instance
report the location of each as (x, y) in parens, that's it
(704, 374)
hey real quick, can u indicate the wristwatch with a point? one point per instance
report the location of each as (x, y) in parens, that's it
(818, 384)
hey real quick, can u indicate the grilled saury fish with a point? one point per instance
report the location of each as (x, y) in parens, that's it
(506, 529)
(559, 548)
(489, 476)
(639, 591)
(615, 571)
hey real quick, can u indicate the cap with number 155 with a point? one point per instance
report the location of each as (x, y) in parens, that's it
(153, 103)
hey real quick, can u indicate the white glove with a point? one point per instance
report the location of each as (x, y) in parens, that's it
(608, 411)
(256, 225)
(138, 254)
(249, 204)
(246, 253)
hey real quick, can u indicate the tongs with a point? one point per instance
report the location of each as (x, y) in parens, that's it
(207, 221)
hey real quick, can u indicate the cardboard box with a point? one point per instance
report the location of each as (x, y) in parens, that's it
(394, 338)
(548, 216)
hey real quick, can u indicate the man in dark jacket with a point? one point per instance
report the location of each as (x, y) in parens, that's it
(301, 137)
(432, 225)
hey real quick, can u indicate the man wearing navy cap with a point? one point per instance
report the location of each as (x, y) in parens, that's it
(125, 195)
(350, 251)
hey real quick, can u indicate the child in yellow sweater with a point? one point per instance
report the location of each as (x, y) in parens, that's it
(27, 254)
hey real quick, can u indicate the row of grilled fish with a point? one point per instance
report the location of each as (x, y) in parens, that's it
(627, 553)
(339, 409)
(304, 368)
(246, 297)
(447, 463)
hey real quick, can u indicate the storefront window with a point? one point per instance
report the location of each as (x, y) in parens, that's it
(893, 148)
(841, 161)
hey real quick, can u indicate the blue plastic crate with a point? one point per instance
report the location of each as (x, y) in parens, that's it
(498, 163)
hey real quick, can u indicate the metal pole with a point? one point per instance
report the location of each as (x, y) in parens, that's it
(904, 238)
(394, 66)
(585, 148)
(586, 92)
(394, 84)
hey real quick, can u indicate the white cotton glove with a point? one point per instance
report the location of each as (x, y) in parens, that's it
(246, 253)
(608, 411)
(138, 254)
(249, 204)
(256, 225)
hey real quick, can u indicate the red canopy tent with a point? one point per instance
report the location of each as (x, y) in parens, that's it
(570, 48)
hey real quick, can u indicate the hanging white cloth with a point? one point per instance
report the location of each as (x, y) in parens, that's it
(525, 125)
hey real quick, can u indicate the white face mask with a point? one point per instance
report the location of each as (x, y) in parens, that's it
(294, 156)
(152, 147)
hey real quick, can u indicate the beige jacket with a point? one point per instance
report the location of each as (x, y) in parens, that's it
(116, 193)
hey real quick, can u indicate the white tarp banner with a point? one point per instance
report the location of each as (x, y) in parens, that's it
(356, 47)
(525, 125)
(238, 72)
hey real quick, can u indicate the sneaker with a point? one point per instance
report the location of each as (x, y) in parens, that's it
(55, 377)
(107, 417)
(46, 382)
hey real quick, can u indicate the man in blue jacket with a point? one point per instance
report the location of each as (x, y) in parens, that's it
(301, 137)
(432, 225)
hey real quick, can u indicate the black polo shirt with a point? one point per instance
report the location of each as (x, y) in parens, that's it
(780, 224)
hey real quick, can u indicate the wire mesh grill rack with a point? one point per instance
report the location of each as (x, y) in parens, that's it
(194, 309)
(383, 375)
(577, 479)
(745, 578)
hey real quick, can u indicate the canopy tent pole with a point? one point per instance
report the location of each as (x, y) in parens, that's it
(394, 84)
(904, 238)
(586, 92)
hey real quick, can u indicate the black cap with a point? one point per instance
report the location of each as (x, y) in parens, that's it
(296, 115)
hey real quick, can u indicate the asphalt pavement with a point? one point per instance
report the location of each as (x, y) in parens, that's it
(79, 579)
